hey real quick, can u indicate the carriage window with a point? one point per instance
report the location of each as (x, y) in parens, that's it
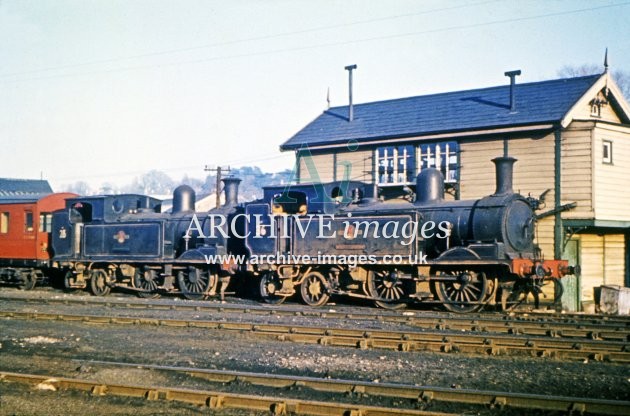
(28, 221)
(45, 222)
(4, 222)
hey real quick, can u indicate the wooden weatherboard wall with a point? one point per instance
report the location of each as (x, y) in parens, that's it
(611, 194)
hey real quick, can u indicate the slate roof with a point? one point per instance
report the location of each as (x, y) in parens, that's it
(23, 190)
(536, 102)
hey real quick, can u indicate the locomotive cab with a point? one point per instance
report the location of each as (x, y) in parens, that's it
(311, 198)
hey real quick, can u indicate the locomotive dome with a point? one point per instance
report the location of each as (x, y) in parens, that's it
(183, 199)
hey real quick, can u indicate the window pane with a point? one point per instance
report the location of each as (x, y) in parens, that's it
(28, 221)
(607, 152)
(45, 222)
(4, 223)
(398, 165)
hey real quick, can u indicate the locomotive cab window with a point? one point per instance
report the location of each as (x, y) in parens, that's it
(28, 221)
(81, 212)
(4, 222)
(290, 203)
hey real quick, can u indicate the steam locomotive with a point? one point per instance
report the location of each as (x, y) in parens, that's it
(317, 240)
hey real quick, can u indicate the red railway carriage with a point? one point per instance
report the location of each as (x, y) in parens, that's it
(25, 225)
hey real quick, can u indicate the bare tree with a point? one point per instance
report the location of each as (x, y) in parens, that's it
(621, 77)
(79, 187)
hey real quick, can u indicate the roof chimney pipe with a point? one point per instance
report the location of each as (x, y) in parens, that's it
(512, 75)
(349, 68)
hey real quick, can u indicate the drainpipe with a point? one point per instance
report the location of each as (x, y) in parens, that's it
(558, 235)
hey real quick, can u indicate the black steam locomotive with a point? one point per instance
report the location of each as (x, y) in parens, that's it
(316, 239)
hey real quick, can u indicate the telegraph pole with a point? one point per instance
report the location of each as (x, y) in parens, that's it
(218, 170)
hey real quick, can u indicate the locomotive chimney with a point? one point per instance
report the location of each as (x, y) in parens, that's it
(504, 168)
(183, 199)
(429, 186)
(230, 187)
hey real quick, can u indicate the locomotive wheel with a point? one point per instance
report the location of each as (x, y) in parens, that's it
(67, 285)
(270, 283)
(466, 293)
(524, 288)
(314, 289)
(146, 280)
(29, 279)
(388, 286)
(98, 283)
(195, 283)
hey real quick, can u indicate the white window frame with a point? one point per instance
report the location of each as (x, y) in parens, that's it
(607, 152)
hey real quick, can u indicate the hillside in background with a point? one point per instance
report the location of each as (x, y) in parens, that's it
(159, 183)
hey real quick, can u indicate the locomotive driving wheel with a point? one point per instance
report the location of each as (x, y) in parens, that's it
(388, 286)
(314, 289)
(461, 291)
(270, 283)
(98, 283)
(196, 283)
(146, 279)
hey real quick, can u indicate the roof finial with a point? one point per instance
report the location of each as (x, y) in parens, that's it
(606, 61)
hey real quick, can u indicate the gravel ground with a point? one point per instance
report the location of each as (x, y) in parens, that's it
(62, 349)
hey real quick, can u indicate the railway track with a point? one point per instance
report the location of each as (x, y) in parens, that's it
(215, 400)
(417, 396)
(423, 395)
(436, 341)
(557, 326)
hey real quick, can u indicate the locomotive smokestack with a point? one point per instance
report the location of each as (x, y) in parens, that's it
(230, 187)
(504, 171)
(183, 199)
(429, 186)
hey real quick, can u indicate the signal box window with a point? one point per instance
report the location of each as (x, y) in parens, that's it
(396, 164)
(28, 221)
(45, 222)
(607, 152)
(400, 164)
(4, 222)
(443, 156)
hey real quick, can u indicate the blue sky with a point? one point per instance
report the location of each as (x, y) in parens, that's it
(105, 90)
